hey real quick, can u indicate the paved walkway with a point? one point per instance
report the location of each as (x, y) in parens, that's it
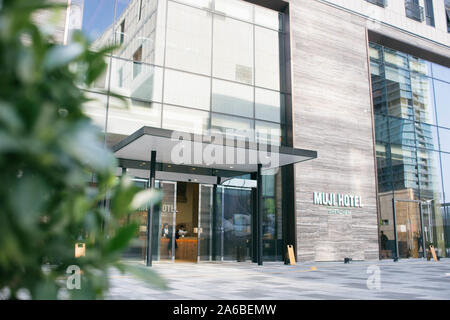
(406, 279)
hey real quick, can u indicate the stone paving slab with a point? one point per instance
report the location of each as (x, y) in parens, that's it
(405, 279)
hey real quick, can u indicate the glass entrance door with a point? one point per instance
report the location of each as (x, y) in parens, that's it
(137, 246)
(427, 214)
(205, 228)
(409, 229)
(167, 221)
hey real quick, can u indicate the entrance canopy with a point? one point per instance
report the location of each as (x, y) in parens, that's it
(215, 155)
(215, 151)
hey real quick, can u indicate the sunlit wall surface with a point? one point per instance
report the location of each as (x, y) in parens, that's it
(412, 124)
(186, 65)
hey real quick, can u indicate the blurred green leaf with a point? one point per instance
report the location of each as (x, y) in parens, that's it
(146, 274)
(121, 239)
(60, 56)
(57, 175)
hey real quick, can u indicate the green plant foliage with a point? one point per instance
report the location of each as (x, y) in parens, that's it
(55, 172)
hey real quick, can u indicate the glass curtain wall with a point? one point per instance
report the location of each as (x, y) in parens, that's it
(186, 65)
(192, 65)
(411, 100)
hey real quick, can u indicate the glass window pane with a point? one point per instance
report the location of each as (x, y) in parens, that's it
(268, 132)
(422, 93)
(186, 89)
(396, 58)
(441, 72)
(233, 50)
(442, 94)
(96, 108)
(399, 96)
(401, 132)
(198, 3)
(404, 167)
(188, 39)
(267, 17)
(95, 18)
(143, 85)
(233, 125)
(160, 33)
(232, 98)
(445, 158)
(420, 66)
(430, 175)
(237, 217)
(381, 128)
(185, 120)
(426, 136)
(375, 51)
(267, 58)
(444, 138)
(235, 8)
(125, 119)
(134, 33)
(269, 105)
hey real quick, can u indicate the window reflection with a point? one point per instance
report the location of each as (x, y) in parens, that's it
(396, 58)
(420, 66)
(233, 50)
(442, 93)
(96, 108)
(188, 39)
(185, 89)
(267, 58)
(164, 46)
(198, 3)
(426, 136)
(268, 105)
(97, 18)
(441, 72)
(268, 132)
(232, 98)
(235, 8)
(240, 127)
(422, 93)
(136, 80)
(408, 151)
(237, 213)
(125, 119)
(185, 120)
(445, 159)
(267, 18)
(444, 138)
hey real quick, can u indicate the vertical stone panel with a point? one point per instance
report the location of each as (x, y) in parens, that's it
(332, 115)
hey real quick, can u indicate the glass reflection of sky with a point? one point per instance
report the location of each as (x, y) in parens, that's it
(442, 95)
(98, 15)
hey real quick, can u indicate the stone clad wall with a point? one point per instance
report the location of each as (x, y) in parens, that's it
(332, 115)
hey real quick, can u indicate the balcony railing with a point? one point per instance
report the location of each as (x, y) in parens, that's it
(381, 3)
(447, 13)
(414, 11)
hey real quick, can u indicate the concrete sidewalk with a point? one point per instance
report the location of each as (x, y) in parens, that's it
(406, 279)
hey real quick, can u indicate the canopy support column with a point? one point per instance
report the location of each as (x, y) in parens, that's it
(259, 215)
(151, 208)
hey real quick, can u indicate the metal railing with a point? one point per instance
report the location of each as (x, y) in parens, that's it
(414, 11)
(381, 3)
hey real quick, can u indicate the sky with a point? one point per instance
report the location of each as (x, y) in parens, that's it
(98, 15)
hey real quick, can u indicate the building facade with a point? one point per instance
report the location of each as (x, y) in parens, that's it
(360, 89)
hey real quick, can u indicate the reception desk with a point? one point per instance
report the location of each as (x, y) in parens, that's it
(187, 249)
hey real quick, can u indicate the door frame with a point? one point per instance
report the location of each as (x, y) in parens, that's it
(174, 216)
(420, 204)
(211, 212)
